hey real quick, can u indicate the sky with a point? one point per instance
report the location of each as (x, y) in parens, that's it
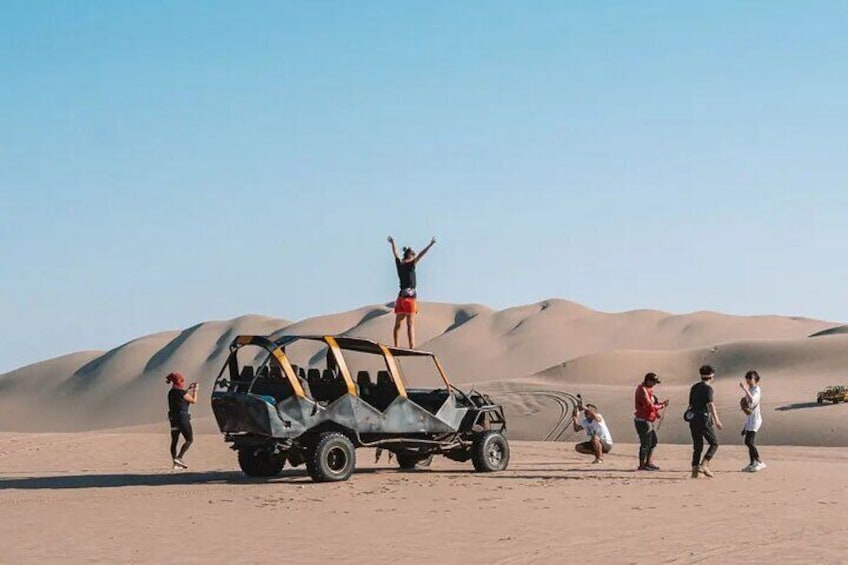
(168, 163)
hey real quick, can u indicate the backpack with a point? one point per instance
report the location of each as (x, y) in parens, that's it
(746, 407)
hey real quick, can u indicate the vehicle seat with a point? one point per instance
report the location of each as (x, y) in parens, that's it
(363, 381)
(384, 392)
(245, 379)
(335, 385)
(271, 382)
(313, 377)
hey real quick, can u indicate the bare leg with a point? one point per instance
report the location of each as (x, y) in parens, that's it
(398, 319)
(410, 330)
(598, 449)
(581, 449)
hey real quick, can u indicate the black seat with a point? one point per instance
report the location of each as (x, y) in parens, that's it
(384, 392)
(276, 373)
(313, 377)
(335, 385)
(245, 378)
(363, 382)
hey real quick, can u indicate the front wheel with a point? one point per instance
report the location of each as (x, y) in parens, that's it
(332, 459)
(490, 452)
(259, 462)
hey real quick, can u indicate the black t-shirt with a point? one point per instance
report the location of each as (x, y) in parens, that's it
(406, 273)
(177, 405)
(700, 395)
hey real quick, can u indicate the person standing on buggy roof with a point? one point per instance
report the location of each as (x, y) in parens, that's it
(406, 305)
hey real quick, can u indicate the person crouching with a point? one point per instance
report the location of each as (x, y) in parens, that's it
(600, 439)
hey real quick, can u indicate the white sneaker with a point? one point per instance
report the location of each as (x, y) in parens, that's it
(748, 468)
(758, 466)
(179, 463)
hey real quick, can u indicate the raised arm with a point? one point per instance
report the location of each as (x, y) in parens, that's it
(191, 394)
(394, 247)
(746, 391)
(574, 423)
(426, 249)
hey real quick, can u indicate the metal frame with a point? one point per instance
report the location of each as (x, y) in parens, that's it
(337, 346)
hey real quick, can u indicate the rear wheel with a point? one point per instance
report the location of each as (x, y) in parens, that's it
(332, 459)
(259, 462)
(490, 452)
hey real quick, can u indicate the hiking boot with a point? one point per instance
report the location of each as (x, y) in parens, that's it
(695, 470)
(705, 469)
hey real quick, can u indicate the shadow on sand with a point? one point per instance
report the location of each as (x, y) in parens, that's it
(801, 406)
(290, 476)
(120, 480)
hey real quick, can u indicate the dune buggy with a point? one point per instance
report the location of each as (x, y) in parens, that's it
(835, 394)
(314, 399)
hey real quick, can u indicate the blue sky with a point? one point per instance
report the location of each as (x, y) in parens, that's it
(165, 163)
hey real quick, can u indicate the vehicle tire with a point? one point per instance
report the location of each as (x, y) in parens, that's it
(408, 461)
(490, 452)
(333, 458)
(820, 400)
(259, 462)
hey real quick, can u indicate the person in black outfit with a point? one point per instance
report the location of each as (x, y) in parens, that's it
(703, 423)
(178, 400)
(406, 306)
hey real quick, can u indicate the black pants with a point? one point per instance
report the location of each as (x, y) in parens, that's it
(702, 429)
(181, 426)
(750, 438)
(647, 440)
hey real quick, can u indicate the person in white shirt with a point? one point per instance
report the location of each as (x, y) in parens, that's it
(600, 439)
(754, 421)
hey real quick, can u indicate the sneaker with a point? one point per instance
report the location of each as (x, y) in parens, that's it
(596, 461)
(747, 468)
(758, 466)
(178, 463)
(652, 467)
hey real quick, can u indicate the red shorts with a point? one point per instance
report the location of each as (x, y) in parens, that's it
(406, 305)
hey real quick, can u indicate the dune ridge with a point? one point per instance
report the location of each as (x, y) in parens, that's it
(555, 344)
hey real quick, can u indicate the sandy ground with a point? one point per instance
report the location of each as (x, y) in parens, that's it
(111, 497)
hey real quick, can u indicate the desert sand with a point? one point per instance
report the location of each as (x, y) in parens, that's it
(111, 497)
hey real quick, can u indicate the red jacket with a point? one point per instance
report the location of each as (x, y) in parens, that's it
(645, 407)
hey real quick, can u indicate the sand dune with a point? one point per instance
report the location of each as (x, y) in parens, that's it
(553, 345)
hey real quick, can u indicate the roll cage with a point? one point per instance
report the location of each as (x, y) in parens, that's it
(278, 366)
